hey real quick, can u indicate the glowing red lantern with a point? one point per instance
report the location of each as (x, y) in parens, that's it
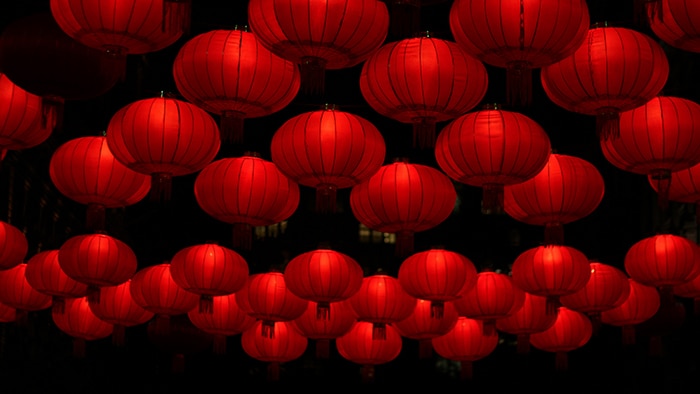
(245, 191)
(676, 23)
(118, 308)
(360, 346)
(491, 148)
(256, 82)
(209, 270)
(519, 36)
(122, 27)
(567, 189)
(17, 293)
(79, 322)
(320, 35)
(163, 137)
(381, 301)
(14, 246)
(570, 331)
(85, 170)
(328, 150)
(532, 317)
(226, 319)
(403, 198)
(286, 345)
(437, 275)
(594, 79)
(641, 304)
(341, 319)
(465, 343)
(44, 274)
(452, 82)
(422, 325)
(323, 276)
(683, 187)
(551, 271)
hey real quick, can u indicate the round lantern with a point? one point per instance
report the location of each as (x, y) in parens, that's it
(245, 191)
(17, 293)
(360, 346)
(676, 23)
(465, 343)
(209, 270)
(437, 275)
(341, 318)
(118, 308)
(551, 271)
(641, 304)
(571, 331)
(122, 27)
(531, 318)
(323, 276)
(286, 345)
(683, 187)
(163, 137)
(690, 289)
(44, 274)
(8, 314)
(491, 148)
(403, 198)
(656, 139)
(255, 83)
(320, 35)
(79, 322)
(594, 80)
(85, 170)
(567, 189)
(328, 150)
(452, 83)
(519, 36)
(226, 319)
(97, 260)
(14, 246)
(422, 325)
(381, 301)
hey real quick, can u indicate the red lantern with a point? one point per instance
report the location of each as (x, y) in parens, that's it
(122, 27)
(267, 297)
(422, 325)
(570, 331)
(286, 345)
(85, 170)
(494, 296)
(226, 319)
(79, 322)
(403, 198)
(690, 289)
(683, 187)
(676, 23)
(97, 260)
(8, 314)
(492, 148)
(14, 246)
(360, 346)
(118, 308)
(519, 36)
(551, 271)
(594, 80)
(452, 82)
(656, 139)
(531, 318)
(209, 270)
(341, 319)
(44, 274)
(437, 275)
(163, 137)
(381, 301)
(641, 304)
(320, 35)
(465, 343)
(567, 189)
(17, 293)
(256, 83)
(328, 150)
(323, 276)
(245, 191)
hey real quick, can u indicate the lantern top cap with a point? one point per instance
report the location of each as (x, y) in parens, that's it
(400, 160)
(329, 107)
(597, 25)
(493, 106)
(251, 154)
(241, 28)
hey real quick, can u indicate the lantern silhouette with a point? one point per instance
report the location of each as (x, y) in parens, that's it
(491, 148)
(79, 322)
(319, 35)
(255, 82)
(422, 326)
(85, 170)
(14, 246)
(360, 346)
(118, 308)
(690, 289)
(683, 187)
(226, 319)
(519, 36)
(452, 83)
(675, 22)
(567, 189)
(286, 345)
(163, 137)
(403, 198)
(44, 274)
(17, 293)
(466, 342)
(640, 305)
(341, 319)
(594, 79)
(571, 331)
(245, 191)
(532, 317)
(328, 150)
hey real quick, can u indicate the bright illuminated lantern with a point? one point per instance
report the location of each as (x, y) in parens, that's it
(360, 346)
(531, 318)
(286, 345)
(340, 320)
(466, 342)
(117, 307)
(225, 320)
(421, 325)
(571, 331)
(640, 305)
(79, 322)
(44, 274)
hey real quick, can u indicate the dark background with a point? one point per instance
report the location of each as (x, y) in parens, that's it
(39, 357)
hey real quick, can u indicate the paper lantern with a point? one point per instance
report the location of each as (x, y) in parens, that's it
(360, 346)
(465, 343)
(532, 317)
(286, 345)
(81, 324)
(640, 305)
(225, 320)
(341, 318)
(571, 331)
(44, 274)
(17, 293)
(421, 325)
(117, 307)
(14, 246)
(675, 22)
